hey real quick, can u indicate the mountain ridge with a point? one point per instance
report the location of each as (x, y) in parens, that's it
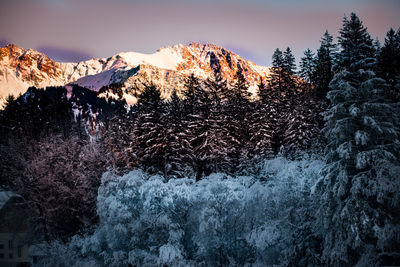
(167, 67)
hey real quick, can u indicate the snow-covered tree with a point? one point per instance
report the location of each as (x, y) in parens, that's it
(289, 70)
(358, 218)
(194, 94)
(220, 220)
(148, 137)
(263, 122)
(215, 145)
(301, 125)
(178, 157)
(276, 82)
(217, 87)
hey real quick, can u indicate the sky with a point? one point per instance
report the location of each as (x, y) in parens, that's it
(74, 30)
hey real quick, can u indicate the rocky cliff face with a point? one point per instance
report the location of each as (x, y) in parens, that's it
(201, 59)
(20, 68)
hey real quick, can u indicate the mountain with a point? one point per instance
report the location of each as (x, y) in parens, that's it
(167, 67)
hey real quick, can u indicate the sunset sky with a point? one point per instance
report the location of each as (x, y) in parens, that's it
(72, 30)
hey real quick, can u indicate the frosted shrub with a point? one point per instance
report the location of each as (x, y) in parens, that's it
(218, 220)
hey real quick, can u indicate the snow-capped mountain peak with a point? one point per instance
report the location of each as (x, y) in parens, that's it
(167, 67)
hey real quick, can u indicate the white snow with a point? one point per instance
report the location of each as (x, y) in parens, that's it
(164, 59)
(96, 81)
(253, 90)
(130, 99)
(96, 73)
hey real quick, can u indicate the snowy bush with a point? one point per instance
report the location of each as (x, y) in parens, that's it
(145, 221)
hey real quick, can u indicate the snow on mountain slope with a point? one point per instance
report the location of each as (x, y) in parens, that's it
(20, 68)
(123, 65)
(164, 59)
(167, 67)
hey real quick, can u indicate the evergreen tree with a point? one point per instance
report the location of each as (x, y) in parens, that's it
(263, 120)
(289, 63)
(323, 73)
(237, 119)
(117, 133)
(307, 67)
(358, 218)
(276, 83)
(302, 126)
(197, 111)
(175, 105)
(217, 87)
(216, 144)
(388, 65)
(327, 42)
(360, 187)
(289, 70)
(282, 87)
(377, 46)
(9, 100)
(239, 91)
(194, 95)
(148, 135)
(355, 45)
(263, 92)
(150, 98)
(178, 157)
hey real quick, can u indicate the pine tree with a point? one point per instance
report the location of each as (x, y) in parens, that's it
(262, 124)
(117, 133)
(355, 45)
(327, 42)
(276, 83)
(150, 98)
(362, 131)
(9, 100)
(323, 73)
(289, 63)
(175, 105)
(282, 87)
(388, 63)
(194, 95)
(358, 218)
(307, 67)
(148, 136)
(239, 91)
(289, 70)
(215, 145)
(197, 111)
(302, 125)
(236, 118)
(377, 47)
(263, 92)
(178, 157)
(217, 87)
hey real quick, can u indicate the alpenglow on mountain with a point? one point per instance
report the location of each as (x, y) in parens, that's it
(167, 68)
